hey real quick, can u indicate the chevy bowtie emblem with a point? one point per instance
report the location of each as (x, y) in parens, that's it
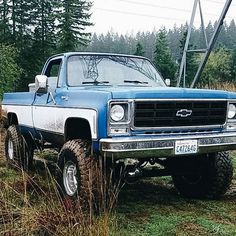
(184, 113)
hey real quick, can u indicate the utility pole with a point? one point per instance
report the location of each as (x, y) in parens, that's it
(182, 70)
(209, 47)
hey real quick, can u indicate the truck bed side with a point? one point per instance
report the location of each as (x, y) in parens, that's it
(19, 104)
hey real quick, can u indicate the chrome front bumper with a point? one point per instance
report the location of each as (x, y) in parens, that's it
(164, 146)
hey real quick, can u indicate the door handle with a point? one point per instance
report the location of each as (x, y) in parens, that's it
(65, 98)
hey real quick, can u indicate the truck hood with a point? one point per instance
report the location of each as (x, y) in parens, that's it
(164, 93)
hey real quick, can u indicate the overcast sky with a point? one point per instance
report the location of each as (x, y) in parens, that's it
(131, 16)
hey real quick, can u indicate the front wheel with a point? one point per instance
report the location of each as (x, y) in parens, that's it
(77, 176)
(213, 180)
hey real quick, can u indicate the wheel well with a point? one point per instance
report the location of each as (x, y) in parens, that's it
(12, 119)
(77, 128)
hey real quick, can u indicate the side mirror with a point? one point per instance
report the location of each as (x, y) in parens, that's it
(41, 84)
(167, 81)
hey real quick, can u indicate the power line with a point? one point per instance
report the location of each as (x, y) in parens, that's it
(154, 5)
(213, 1)
(139, 14)
(168, 8)
(218, 2)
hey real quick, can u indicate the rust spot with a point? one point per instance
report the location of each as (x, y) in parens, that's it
(55, 125)
(49, 125)
(59, 124)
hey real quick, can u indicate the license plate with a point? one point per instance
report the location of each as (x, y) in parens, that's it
(186, 147)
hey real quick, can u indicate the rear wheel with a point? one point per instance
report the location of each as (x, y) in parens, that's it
(213, 180)
(17, 151)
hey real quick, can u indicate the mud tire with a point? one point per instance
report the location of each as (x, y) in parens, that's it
(212, 183)
(18, 153)
(78, 153)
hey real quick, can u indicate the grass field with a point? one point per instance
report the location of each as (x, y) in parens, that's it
(29, 205)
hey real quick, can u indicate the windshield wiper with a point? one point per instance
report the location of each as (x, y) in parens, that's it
(135, 82)
(95, 82)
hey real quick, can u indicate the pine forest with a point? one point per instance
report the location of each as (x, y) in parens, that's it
(31, 31)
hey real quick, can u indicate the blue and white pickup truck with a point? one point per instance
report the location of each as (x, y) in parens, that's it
(117, 108)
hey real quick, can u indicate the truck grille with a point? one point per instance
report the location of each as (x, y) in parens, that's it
(179, 113)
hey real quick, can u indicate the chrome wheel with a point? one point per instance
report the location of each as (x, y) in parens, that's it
(70, 179)
(10, 149)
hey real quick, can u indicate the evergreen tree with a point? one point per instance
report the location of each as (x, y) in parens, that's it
(122, 46)
(231, 32)
(109, 44)
(94, 44)
(9, 70)
(233, 65)
(202, 40)
(19, 25)
(4, 21)
(148, 41)
(21, 22)
(139, 50)
(73, 18)
(130, 43)
(223, 37)
(44, 32)
(209, 30)
(163, 59)
(174, 37)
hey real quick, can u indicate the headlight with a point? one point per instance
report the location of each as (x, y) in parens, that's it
(117, 113)
(231, 111)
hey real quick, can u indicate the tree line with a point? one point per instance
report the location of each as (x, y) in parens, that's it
(164, 48)
(32, 30)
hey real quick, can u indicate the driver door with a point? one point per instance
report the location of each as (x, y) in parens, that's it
(44, 106)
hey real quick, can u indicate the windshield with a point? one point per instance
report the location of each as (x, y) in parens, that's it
(112, 70)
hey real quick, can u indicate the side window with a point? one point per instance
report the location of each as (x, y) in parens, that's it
(53, 73)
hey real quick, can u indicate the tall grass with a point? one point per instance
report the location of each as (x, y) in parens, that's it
(30, 204)
(228, 86)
